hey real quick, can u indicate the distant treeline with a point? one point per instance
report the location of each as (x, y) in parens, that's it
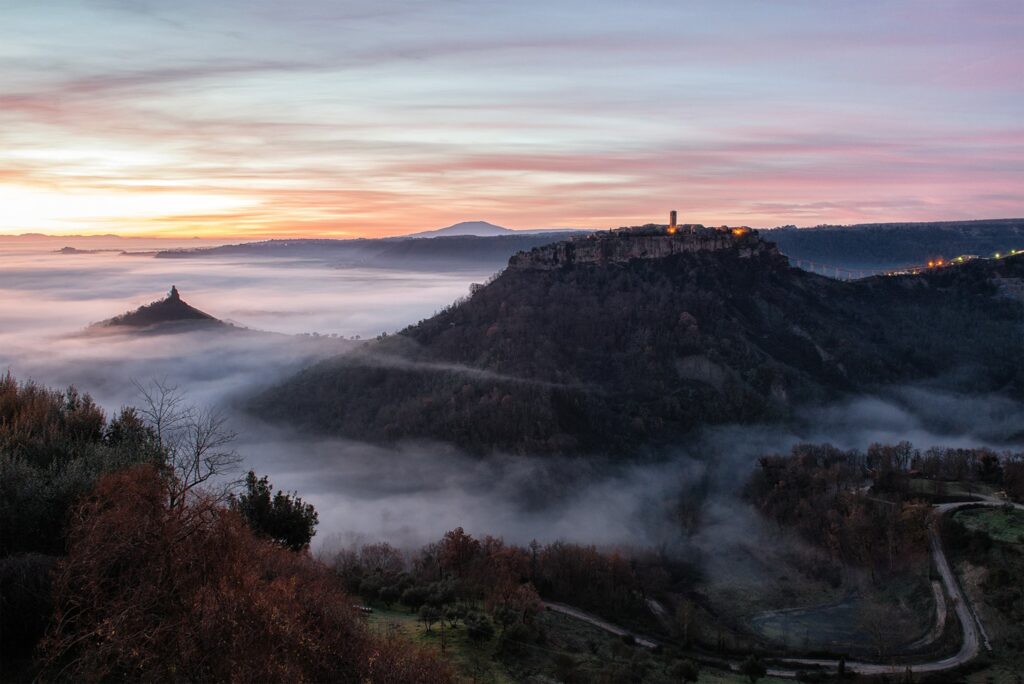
(461, 574)
(438, 253)
(881, 246)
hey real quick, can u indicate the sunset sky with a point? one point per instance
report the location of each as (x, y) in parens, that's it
(304, 118)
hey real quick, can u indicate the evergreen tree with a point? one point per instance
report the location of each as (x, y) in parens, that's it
(282, 517)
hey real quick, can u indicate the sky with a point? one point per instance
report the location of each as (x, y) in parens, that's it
(258, 118)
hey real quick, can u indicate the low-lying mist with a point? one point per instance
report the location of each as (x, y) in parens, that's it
(412, 493)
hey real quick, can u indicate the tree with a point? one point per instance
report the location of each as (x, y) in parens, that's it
(458, 550)
(453, 614)
(686, 670)
(194, 442)
(1013, 478)
(886, 625)
(429, 615)
(566, 668)
(414, 597)
(683, 624)
(283, 518)
(388, 595)
(753, 669)
(54, 446)
(479, 628)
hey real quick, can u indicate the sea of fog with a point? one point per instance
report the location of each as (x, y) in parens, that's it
(410, 493)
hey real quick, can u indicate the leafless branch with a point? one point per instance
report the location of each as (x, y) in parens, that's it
(195, 442)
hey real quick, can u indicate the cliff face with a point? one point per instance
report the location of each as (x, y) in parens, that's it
(625, 246)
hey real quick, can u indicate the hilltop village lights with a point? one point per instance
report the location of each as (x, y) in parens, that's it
(673, 226)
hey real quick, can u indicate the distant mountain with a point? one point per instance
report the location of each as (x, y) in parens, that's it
(164, 314)
(885, 246)
(477, 228)
(623, 340)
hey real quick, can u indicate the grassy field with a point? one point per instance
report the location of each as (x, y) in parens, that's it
(930, 488)
(997, 674)
(567, 650)
(1003, 525)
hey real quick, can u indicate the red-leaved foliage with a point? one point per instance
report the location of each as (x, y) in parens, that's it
(154, 593)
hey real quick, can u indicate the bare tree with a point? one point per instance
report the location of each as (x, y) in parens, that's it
(163, 408)
(195, 442)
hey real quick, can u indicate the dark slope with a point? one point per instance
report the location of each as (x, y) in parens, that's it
(605, 357)
(163, 313)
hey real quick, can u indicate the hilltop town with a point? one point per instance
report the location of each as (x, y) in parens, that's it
(650, 241)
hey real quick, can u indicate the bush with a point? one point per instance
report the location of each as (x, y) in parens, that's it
(479, 628)
(753, 668)
(24, 602)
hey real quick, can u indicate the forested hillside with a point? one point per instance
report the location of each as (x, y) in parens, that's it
(607, 357)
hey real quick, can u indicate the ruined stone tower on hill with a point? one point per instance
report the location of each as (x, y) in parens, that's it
(172, 309)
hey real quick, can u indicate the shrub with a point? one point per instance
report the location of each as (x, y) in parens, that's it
(24, 602)
(283, 518)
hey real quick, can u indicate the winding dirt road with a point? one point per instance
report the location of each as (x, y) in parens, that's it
(973, 636)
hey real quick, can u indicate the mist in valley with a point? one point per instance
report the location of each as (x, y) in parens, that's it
(411, 493)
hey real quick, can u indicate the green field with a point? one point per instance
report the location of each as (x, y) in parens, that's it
(569, 650)
(1002, 524)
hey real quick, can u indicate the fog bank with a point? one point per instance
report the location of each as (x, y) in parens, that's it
(411, 493)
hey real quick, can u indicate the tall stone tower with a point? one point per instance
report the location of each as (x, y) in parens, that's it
(672, 221)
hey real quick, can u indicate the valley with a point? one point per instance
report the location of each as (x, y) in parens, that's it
(664, 515)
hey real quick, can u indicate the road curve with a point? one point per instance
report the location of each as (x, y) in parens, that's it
(973, 637)
(973, 632)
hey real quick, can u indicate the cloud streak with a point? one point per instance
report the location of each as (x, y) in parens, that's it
(326, 118)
